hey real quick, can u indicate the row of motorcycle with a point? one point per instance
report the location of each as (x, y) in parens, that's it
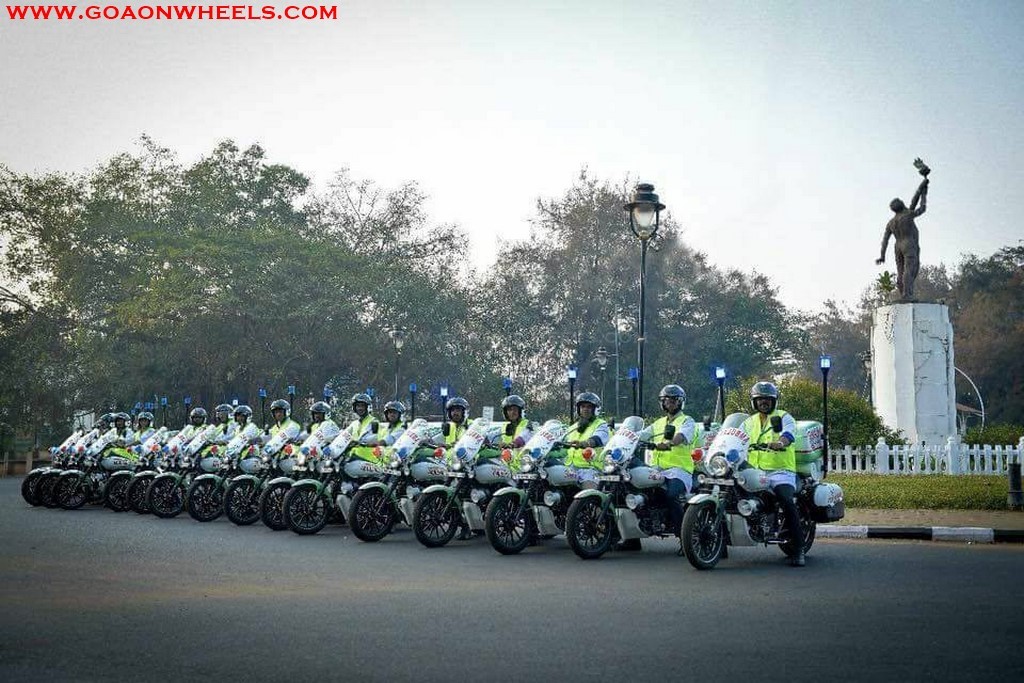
(516, 497)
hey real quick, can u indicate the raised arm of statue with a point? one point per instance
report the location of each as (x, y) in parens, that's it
(922, 196)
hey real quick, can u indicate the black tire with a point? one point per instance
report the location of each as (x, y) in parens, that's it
(165, 497)
(30, 488)
(435, 519)
(242, 502)
(306, 511)
(372, 514)
(70, 492)
(205, 500)
(589, 529)
(47, 488)
(508, 524)
(138, 488)
(272, 505)
(115, 494)
(809, 528)
(703, 537)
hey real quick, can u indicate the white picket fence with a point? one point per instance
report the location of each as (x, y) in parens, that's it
(951, 458)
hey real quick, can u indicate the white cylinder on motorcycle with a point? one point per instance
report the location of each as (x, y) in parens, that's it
(646, 477)
(560, 475)
(489, 473)
(428, 471)
(361, 469)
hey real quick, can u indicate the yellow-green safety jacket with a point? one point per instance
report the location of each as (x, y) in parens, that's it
(762, 433)
(677, 456)
(574, 457)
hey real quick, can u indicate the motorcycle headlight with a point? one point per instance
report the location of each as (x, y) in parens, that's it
(609, 468)
(266, 459)
(718, 466)
(526, 467)
(300, 459)
(457, 465)
(395, 463)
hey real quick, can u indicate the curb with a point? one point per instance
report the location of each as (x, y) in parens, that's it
(969, 534)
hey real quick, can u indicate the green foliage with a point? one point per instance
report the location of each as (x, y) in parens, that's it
(994, 435)
(852, 420)
(925, 491)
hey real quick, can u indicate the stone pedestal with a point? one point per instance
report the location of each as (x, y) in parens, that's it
(912, 384)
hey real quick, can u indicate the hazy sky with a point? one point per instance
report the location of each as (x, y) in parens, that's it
(776, 132)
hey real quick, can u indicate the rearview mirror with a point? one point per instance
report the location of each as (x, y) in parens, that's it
(776, 424)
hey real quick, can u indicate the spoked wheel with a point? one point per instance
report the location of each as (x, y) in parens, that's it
(508, 524)
(589, 528)
(809, 528)
(70, 492)
(115, 496)
(242, 502)
(47, 489)
(30, 488)
(205, 500)
(703, 536)
(435, 519)
(165, 497)
(305, 510)
(272, 506)
(372, 515)
(138, 488)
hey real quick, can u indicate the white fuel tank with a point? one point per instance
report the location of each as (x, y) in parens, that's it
(491, 473)
(646, 477)
(361, 469)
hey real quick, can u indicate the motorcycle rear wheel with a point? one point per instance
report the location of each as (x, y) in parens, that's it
(372, 515)
(589, 530)
(165, 497)
(30, 488)
(115, 495)
(305, 510)
(70, 492)
(205, 500)
(702, 535)
(435, 519)
(138, 488)
(272, 506)
(242, 502)
(508, 525)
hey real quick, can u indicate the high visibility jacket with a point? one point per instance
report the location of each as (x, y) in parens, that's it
(506, 440)
(282, 425)
(574, 457)
(455, 433)
(360, 428)
(677, 456)
(762, 433)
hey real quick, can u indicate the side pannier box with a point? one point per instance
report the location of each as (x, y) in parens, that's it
(828, 503)
(809, 447)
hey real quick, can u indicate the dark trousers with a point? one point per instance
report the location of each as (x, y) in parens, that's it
(787, 501)
(676, 490)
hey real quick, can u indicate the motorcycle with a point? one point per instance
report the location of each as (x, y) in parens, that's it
(474, 475)
(309, 502)
(734, 503)
(75, 487)
(166, 495)
(258, 466)
(537, 505)
(160, 454)
(630, 501)
(58, 456)
(205, 495)
(115, 494)
(271, 497)
(410, 464)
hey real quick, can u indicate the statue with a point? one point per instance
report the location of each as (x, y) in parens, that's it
(904, 230)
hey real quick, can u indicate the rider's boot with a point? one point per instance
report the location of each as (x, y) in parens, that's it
(630, 545)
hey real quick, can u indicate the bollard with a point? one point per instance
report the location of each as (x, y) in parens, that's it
(1015, 499)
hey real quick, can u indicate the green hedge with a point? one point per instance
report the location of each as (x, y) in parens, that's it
(994, 434)
(923, 491)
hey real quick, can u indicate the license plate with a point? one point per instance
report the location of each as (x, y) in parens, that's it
(609, 477)
(391, 471)
(525, 477)
(457, 475)
(718, 482)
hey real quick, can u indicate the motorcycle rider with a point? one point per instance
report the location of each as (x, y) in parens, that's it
(392, 427)
(457, 409)
(672, 456)
(780, 462)
(226, 426)
(364, 427)
(125, 436)
(242, 415)
(280, 411)
(590, 431)
(513, 407)
(144, 426)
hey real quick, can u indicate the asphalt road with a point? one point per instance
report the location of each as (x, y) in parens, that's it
(95, 595)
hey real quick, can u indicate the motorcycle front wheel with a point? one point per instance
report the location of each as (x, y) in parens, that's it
(305, 510)
(115, 495)
(165, 498)
(702, 535)
(47, 489)
(70, 492)
(589, 529)
(30, 488)
(205, 500)
(508, 525)
(435, 519)
(138, 489)
(372, 515)
(272, 505)
(242, 502)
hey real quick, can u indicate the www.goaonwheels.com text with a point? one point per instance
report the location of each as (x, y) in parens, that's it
(170, 12)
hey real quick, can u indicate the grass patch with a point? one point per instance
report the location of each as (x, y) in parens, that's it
(924, 491)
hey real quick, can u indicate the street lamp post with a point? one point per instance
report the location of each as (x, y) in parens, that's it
(720, 379)
(397, 335)
(506, 384)
(634, 373)
(412, 401)
(601, 356)
(163, 408)
(825, 362)
(570, 374)
(644, 220)
(444, 400)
